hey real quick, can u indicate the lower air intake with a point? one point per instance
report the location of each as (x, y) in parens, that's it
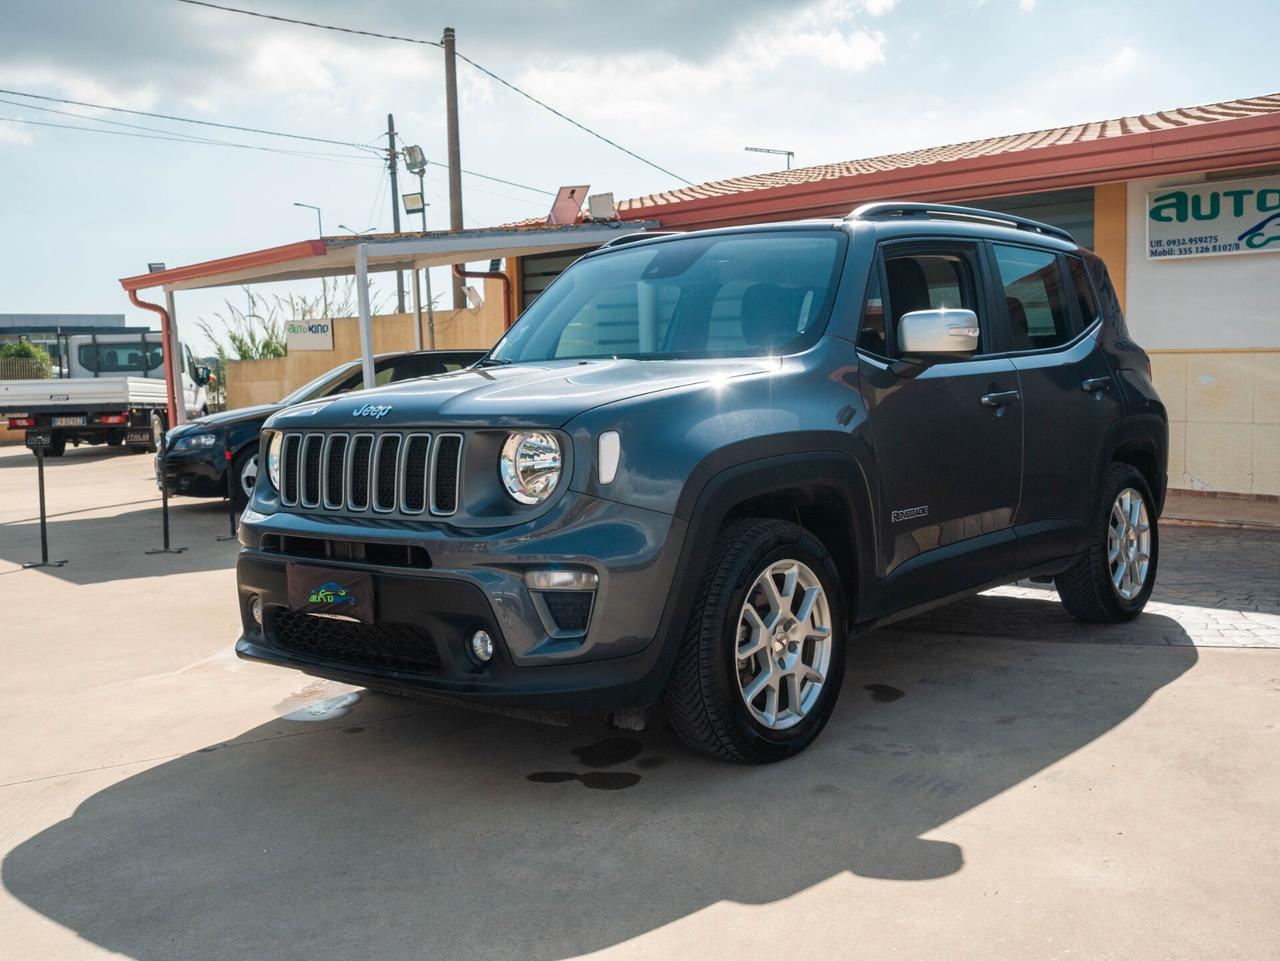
(396, 647)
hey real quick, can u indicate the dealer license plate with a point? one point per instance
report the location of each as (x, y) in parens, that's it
(69, 421)
(137, 437)
(331, 592)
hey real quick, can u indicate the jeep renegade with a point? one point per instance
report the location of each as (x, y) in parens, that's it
(699, 465)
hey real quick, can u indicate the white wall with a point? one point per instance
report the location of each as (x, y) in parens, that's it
(1230, 301)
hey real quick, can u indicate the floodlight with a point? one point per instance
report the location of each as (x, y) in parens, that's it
(413, 203)
(415, 159)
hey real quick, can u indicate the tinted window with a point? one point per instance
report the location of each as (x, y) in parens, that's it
(1034, 296)
(1083, 291)
(930, 282)
(871, 331)
(719, 296)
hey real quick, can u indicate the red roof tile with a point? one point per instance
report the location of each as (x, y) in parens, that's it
(1034, 140)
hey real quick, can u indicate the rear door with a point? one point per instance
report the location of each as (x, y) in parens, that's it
(947, 436)
(1050, 316)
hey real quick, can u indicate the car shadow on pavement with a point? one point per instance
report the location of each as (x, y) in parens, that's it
(23, 458)
(406, 829)
(100, 549)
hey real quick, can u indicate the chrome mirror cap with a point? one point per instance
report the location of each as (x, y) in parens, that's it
(939, 331)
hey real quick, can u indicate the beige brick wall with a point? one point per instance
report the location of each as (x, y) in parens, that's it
(1224, 419)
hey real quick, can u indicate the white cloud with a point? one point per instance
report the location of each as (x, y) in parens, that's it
(1122, 64)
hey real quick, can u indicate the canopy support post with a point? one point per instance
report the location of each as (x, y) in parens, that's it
(366, 324)
(173, 355)
(417, 309)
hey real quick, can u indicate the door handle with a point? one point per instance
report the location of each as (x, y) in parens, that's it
(1001, 398)
(1095, 383)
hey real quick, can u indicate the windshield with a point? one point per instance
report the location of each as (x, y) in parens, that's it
(727, 295)
(321, 385)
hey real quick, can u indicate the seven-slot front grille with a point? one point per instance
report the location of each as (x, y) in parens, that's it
(386, 472)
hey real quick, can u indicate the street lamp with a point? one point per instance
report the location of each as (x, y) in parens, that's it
(358, 233)
(319, 224)
(416, 162)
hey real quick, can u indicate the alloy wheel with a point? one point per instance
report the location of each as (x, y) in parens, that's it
(783, 644)
(1129, 544)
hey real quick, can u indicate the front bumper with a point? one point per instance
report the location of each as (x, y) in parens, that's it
(450, 583)
(198, 472)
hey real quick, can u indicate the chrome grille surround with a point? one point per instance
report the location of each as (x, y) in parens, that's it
(365, 473)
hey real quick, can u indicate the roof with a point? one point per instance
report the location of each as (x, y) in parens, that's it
(336, 256)
(1241, 132)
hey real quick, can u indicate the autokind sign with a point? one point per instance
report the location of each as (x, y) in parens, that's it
(1214, 218)
(309, 335)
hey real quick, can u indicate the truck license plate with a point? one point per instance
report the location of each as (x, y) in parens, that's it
(39, 440)
(69, 421)
(137, 437)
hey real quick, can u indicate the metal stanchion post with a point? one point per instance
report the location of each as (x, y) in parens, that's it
(164, 502)
(231, 504)
(44, 561)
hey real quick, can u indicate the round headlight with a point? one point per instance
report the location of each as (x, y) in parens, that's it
(530, 466)
(273, 459)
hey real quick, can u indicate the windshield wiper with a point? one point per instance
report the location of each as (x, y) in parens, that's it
(491, 362)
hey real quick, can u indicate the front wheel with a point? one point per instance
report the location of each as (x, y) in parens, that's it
(762, 659)
(1113, 579)
(244, 475)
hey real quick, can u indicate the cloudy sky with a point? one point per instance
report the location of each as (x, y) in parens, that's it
(686, 84)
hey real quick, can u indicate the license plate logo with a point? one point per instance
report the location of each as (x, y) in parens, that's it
(331, 592)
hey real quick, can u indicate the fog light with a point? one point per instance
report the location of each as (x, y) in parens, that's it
(561, 580)
(482, 646)
(255, 609)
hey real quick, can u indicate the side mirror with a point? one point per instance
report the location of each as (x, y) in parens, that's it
(925, 333)
(203, 376)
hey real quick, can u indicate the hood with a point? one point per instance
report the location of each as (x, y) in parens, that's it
(229, 417)
(518, 395)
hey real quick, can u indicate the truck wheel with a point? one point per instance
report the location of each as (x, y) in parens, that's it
(157, 432)
(1112, 580)
(244, 475)
(760, 666)
(57, 446)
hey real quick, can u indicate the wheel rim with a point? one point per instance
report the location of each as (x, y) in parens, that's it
(249, 475)
(1129, 544)
(783, 645)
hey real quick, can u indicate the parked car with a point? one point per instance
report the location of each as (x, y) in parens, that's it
(699, 466)
(111, 391)
(196, 460)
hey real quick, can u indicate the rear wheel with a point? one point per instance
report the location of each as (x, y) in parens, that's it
(1114, 578)
(57, 446)
(762, 660)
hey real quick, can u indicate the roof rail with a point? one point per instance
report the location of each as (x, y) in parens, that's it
(638, 235)
(887, 210)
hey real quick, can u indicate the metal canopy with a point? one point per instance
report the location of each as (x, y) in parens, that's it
(336, 256)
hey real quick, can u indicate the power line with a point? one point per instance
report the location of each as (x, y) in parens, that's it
(182, 139)
(431, 43)
(381, 151)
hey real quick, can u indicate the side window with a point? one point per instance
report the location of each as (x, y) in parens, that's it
(1034, 296)
(929, 282)
(871, 330)
(1083, 291)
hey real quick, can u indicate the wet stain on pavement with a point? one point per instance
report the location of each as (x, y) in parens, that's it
(883, 692)
(610, 751)
(606, 753)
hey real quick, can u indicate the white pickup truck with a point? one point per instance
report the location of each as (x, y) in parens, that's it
(110, 391)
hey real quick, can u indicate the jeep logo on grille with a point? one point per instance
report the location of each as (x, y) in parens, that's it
(375, 411)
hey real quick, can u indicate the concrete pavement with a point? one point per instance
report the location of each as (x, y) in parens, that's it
(998, 781)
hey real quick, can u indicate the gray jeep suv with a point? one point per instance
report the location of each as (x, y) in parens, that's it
(700, 465)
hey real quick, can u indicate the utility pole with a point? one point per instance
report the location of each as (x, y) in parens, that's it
(455, 150)
(392, 156)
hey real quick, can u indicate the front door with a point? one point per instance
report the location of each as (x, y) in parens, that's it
(947, 435)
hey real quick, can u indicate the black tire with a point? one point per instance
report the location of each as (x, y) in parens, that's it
(156, 422)
(239, 496)
(1086, 588)
(115, 440)
(703, 701)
